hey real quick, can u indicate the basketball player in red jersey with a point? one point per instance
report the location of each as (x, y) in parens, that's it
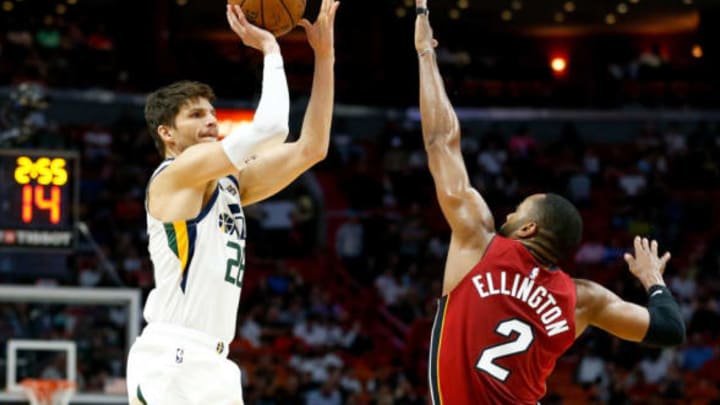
(507, 312)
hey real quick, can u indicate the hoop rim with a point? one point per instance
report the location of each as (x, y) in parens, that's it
(44, 389)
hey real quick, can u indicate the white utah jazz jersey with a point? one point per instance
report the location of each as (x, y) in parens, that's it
(199, 265)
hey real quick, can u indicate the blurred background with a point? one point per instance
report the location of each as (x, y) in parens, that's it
(611, 103)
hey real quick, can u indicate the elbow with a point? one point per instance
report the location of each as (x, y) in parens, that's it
(666, 329)
(451, 198)
(441, 131)
(320, 155)
(316, 155)
(313, 144)
(674, 336)
(678, 335)
(441, 140)
(313, 153)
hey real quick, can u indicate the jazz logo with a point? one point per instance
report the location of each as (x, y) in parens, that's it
(48, 175)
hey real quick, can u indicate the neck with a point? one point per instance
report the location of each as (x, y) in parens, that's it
(541, 253)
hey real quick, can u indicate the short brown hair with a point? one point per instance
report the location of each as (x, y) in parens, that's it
(163, 105)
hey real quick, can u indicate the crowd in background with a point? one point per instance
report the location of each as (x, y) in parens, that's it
(345, 266)
(340, 310)
(79, 51)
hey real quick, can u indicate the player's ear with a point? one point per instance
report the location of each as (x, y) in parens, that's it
(164, 132)
(528, 230)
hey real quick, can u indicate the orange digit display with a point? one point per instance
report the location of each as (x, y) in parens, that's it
(27, 203)
(34, 197)
(52, 204)
(38, 199)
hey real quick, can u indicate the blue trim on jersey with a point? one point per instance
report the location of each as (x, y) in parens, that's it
(235, 181)
(192, 236)
(203, 213)
(160, 168)
(165, 163)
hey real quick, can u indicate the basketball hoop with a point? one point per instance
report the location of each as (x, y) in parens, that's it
(47, 391)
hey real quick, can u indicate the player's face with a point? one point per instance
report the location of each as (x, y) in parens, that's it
(515, 220)
(195, 123)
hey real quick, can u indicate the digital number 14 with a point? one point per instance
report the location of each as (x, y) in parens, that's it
(34, 197)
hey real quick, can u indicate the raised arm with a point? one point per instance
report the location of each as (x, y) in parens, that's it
(204, 162)
(270, 125)
(180, 188)
(660, 324)
(463, 207)
(271, 170)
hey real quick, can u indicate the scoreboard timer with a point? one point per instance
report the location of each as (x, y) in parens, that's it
(38, 199)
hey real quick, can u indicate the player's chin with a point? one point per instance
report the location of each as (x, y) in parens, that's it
(207, 139)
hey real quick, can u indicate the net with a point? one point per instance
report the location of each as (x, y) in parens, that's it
(48, 391)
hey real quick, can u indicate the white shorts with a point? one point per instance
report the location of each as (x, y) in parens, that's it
(172, 365)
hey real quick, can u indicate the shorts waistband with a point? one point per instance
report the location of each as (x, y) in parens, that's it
(179, 334)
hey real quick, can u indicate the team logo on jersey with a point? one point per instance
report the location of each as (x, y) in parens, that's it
(534, 273)
(233, 222)
(220, 347)
(179, 354)
(227, 223)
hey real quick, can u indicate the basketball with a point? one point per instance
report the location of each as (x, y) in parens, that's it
(276, 16)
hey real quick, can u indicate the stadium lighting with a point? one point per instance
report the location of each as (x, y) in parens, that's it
(697, 51)
(558, 65)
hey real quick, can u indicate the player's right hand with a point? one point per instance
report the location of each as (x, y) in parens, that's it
(251, 35)
(646, 265)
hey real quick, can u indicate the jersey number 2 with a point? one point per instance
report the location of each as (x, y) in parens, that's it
(520, 344)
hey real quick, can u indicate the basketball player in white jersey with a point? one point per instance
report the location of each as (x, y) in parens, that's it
(196, 226)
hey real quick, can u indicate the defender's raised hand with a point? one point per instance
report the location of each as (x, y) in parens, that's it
(251, 35)
(423, 31)
(646, 265)
(320, 34)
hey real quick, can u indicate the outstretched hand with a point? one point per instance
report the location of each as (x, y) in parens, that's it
(646, 265)
(320, 34)
(423, 31)
(251, 35)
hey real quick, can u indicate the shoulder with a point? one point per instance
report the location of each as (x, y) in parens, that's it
(591, 295)
(501, 244)
(585, 289)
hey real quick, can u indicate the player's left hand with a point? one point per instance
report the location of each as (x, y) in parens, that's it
(423, 31)
(646, 265)
(320, 34)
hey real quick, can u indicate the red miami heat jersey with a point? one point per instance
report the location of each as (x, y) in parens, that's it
(497, 335)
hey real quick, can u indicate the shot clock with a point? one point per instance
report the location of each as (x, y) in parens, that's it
(38, 199)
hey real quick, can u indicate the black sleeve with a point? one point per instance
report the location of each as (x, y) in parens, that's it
(666, 324)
